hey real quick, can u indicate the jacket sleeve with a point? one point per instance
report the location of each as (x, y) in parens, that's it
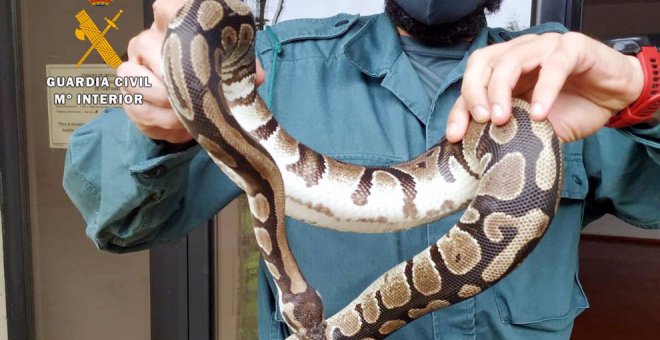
(623, 166)
(131, 195)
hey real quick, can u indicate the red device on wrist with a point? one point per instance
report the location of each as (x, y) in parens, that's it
(648, 103)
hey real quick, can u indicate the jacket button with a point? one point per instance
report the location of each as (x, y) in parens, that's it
(577, 180)
(341, 23)
(154, 172)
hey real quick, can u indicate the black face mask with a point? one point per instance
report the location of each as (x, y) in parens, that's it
(463, 29)
(438, 12)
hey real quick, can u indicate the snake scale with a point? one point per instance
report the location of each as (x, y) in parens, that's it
(507, 179)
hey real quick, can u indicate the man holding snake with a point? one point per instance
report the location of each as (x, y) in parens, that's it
(378, 90)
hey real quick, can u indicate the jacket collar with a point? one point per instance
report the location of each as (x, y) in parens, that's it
(374, 47)
(376, 51)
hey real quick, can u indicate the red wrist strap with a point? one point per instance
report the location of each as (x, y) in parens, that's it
(648, 102)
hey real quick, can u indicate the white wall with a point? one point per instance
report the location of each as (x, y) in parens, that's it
(512, 10)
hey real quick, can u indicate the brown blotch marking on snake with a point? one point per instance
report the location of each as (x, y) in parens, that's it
(390, 326)
(209, 14)
(370, 308)
(505, 180)
(344, 173)
(431, 306)
(443, 164)
(425, 277)
(307, 313)
(546, 166)
(471, 215)
(452, 160)
(470, 144)
(260, 207)
(492, 224)
(469, 290)
(310, 166)
(395, 291)
(213, 113)
(263, 239)
(285, 144)
(240, 63)
(176, 73)
(232, 74)
(410, 208)
(246, 35)
(215, 149)
(424, 167)
(261, 112)
(361, 194)
(240, 56)
(348, 322)
(384, 179)
(288, 313)
(528, 227)
(319, 207)
(217, 61)
(199, 51)
(238, 7)
(460, 251)
(174, 23)
(371, 220)
(229, 40)
(505, 133)
(448, 205)
(265, 131)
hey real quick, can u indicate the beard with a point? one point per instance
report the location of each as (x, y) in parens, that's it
(464, 29)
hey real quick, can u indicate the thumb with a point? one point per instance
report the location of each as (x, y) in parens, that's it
(260, 75)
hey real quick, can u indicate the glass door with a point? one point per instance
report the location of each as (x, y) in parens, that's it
(69, 289)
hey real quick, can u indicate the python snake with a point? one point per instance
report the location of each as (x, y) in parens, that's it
(508, 180)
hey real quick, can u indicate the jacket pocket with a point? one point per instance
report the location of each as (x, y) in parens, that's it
(553, 310)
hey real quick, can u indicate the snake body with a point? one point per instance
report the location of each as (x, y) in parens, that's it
(507, 178)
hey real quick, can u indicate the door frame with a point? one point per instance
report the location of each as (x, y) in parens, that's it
(14, 201)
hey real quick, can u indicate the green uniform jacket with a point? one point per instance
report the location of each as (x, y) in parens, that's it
(343, 86)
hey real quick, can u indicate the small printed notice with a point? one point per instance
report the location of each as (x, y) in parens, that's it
(76, 95)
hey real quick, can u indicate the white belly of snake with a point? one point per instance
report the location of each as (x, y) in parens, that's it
(507, 178)
(345, 203)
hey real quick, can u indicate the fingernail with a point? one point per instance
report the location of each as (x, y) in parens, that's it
(498, 112)
(480, 114)
(537, 110)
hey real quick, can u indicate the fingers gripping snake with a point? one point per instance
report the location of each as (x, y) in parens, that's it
(507, 178)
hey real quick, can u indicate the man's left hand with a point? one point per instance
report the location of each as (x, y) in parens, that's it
(576, 82)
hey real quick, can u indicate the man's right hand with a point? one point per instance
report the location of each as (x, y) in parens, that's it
(155, 117)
